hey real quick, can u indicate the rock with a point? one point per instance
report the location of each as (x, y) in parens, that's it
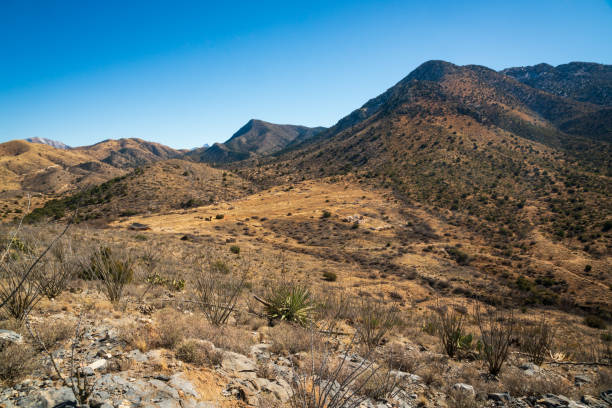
(164, 388)
(465, 388)
(179, 382)
(10, 336)
(557, 401)
(238, 363)
(136, 226)
(138, 356)
(530, 369)
(280, 389)
(48, 399)
(607, 396)
(580, 380)
(594, 402)
(499, 396)
(98, 364)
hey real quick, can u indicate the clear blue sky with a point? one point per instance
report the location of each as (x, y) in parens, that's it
(185, 73)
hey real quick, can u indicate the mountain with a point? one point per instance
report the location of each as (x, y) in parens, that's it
(582, 81)
(476, 142)
(52, 143)
(146, 190)
(255, 138)
(127, 153)
(42, 168)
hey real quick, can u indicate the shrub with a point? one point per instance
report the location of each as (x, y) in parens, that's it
(536, 340)
(458, 255)
(219, 216)
(218, 290)
(288, 339)
(198, 352)
(114, 269)
(16, 362)
(54, 276)
(330, 276)
(496, 331)
(20, 295)
(235, 249)
(292, 303)
(588, 268)
(326, 214)
(595, 322)
(374, 321)
(449, 329)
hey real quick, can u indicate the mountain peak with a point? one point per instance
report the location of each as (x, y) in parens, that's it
(49, 142)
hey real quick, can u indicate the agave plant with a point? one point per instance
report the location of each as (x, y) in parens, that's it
(292, 303)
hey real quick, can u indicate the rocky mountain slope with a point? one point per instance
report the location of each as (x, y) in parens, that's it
(126, 153)
(255, 138)
(582, 81)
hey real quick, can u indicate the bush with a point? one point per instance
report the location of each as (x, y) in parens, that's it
(536, 340)
(458, 255)
(198, 352)
(288, 339)
(26, 294)
(374, 321)
(219, 216)
(113, 269)
(449, 329)
(16, 362)
(496, 332)
(595, 322)
(326, 214)
(218, 290)
(291, 303)
(330, 276)
(235, 249)
(53, 278)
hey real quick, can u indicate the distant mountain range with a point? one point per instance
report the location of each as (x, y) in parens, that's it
(52, 143)
(255, 138)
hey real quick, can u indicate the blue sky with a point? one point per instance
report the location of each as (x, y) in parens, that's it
(185, 73)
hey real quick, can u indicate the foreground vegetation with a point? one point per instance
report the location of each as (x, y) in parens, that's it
(200, 301)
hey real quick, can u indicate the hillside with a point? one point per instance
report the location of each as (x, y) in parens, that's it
(43, 168)
(255, 138)
(126, 153)
(482, 152)
(582, 81)
(154, 188)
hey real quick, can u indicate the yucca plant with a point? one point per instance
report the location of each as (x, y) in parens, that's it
(292, 303)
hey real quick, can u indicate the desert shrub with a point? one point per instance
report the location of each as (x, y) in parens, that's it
(18, 286)
(290, 339)
(449, 322)
(113, 268)
(496, 332)
(52, 333)
(330, 276)
(57, 272)
(198, 352)
(432, 371)
(235, 249)
(458, 255)
(334, 382)
(398, 357)
(16, 362)
(326, 214)
(595, 322)
(374, 321)
(518, 384)
(218, 288)
(461, 399)
(219, 216)
(536, 340)
(289, 302)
